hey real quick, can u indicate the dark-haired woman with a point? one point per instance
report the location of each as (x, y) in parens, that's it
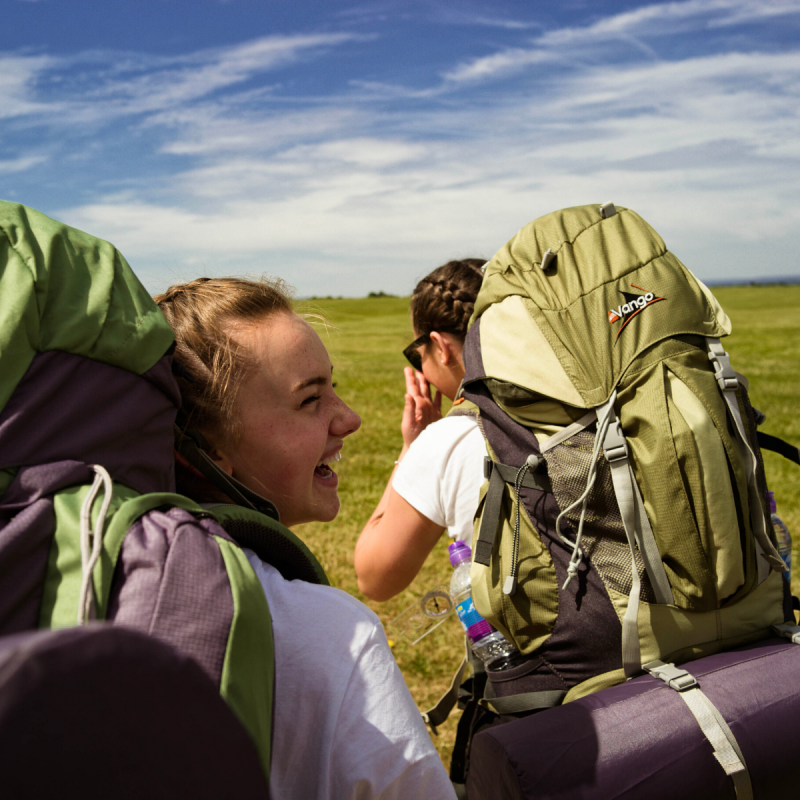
(256, 383)
(437, 476)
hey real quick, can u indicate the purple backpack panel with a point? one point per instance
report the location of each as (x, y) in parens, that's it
(102, 711)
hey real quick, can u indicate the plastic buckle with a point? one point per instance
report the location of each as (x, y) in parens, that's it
(614, 445)
(790, 632)
(678, 679)
(723, 371)
(682, 682)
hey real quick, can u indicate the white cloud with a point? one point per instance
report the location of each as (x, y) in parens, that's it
(502, 63)
(661, 19)
(370, 188)
(20, 164)
(18, 75)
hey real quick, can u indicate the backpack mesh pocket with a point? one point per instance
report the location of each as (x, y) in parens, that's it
(604, 542)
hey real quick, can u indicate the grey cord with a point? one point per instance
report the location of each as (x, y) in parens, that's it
(86, 607)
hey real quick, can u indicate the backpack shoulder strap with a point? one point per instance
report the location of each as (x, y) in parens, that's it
(777, 445)
(463, 408)
(271, 541)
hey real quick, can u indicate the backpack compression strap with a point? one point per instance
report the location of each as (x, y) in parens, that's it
(728, 383)
(711, 722)
(776, 445)
(637, 530)
(498, 476)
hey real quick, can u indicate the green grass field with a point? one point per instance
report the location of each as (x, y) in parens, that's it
(366, 338)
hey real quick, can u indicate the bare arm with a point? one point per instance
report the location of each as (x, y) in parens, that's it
(397, 539)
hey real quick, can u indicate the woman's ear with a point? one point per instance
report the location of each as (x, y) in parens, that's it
(221, 460)
(444, 348)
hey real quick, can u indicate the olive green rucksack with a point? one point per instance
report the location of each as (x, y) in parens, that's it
(624, 519)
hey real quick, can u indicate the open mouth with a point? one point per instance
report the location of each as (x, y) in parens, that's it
(323, 469)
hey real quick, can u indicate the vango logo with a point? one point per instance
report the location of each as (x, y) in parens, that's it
(633, 305)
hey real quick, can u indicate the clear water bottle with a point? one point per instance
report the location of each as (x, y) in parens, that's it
(488, 644)
(782, 535)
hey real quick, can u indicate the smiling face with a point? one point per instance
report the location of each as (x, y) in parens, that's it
(292, 422)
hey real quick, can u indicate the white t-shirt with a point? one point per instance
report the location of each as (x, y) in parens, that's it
(441, 474)
(345, 724)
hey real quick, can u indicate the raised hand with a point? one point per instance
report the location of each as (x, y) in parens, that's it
(421, 408)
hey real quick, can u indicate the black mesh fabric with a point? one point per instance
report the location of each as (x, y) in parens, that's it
(604, 540)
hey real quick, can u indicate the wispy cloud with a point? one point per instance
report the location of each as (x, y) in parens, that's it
(20, 164)
(662, 19)
(498, 64)
(372, 182)
(107, 85)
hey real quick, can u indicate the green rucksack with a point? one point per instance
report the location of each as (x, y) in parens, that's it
(624, 519)
(90, 526)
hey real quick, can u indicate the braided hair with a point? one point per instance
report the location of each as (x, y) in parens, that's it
(211, 364)
(444, 300)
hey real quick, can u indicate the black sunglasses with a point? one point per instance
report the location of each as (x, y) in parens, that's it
(412, 351)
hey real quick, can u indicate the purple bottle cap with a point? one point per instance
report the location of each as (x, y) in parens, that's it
(459, 552)
(773, 506)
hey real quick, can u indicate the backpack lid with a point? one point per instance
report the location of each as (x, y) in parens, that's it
(582, 294)
(62, 289)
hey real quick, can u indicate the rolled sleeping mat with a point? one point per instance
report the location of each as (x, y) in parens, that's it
(640, 740)
(103, 711)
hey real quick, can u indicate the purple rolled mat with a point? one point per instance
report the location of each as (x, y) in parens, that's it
(639, 739)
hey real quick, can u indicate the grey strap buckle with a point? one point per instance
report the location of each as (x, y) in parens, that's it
(790, 632)
(676, 678)
(723, 371)
(614, 445)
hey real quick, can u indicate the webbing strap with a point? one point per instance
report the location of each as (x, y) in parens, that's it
(491, 519)
(631, 505)
(526, 701)
(532, 480)
(778, 445)
(711, 722)
(790, 632)
(500, 475)
(728, 384)
(637, 528)
(616, 452)
(445, 704)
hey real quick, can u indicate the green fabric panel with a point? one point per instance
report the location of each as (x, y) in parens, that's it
(221, 513)
(62, 289)
(672, 633)
(702, 461)
(597, 261)
(6, 479)
(645, 419)
(595, 684)
(693, 370)
(248, 672)
(64, 573)
(526, 618)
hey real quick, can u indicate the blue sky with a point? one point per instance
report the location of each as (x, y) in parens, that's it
(352, 147)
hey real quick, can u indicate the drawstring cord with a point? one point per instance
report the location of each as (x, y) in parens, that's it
(532, 463)
(577, 553)
(86, 609)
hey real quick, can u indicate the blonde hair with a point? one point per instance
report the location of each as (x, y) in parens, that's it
(210, 364)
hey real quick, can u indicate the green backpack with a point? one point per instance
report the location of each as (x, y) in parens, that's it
(90, 526)
(624, 519)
